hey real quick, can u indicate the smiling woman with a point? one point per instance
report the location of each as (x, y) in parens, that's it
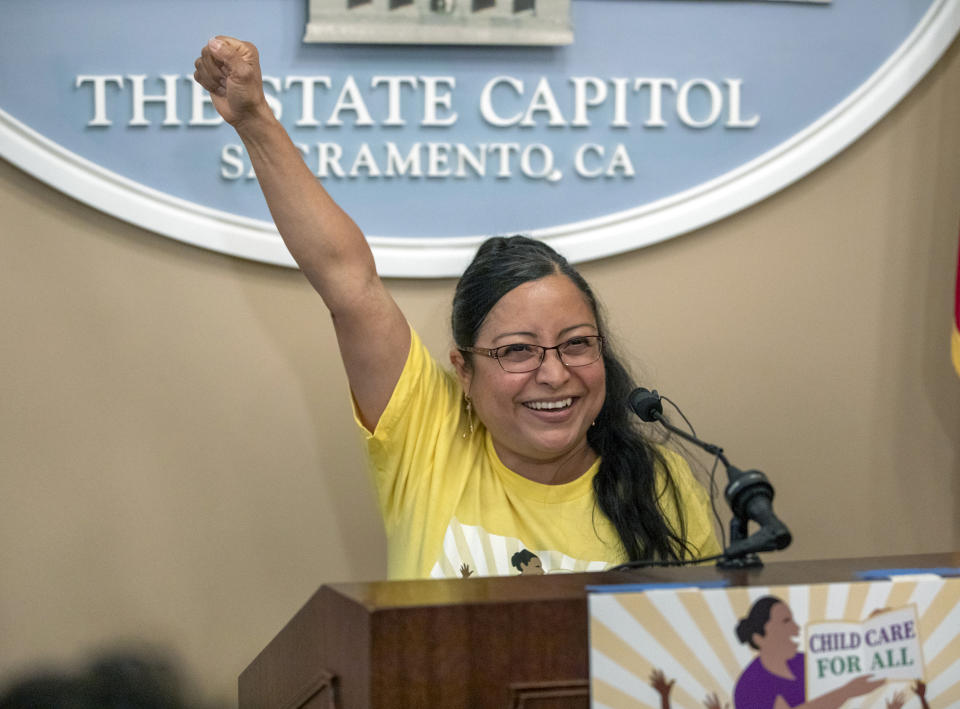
(536, 408)
(529, 446)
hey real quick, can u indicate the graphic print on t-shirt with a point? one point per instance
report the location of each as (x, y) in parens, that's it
(471, 551)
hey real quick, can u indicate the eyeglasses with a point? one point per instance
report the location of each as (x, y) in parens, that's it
(520, 357)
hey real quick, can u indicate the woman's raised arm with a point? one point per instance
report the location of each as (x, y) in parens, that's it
(325, 242)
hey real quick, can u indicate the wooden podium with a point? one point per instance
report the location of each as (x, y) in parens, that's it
(508, 642)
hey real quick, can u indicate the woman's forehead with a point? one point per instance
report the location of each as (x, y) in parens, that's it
(547, 306)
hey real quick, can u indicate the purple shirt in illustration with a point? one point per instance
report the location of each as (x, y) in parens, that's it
(758, 689)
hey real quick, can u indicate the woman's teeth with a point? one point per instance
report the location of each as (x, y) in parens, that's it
(549, 405)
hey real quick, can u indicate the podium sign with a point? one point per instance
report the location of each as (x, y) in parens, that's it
(880, 643)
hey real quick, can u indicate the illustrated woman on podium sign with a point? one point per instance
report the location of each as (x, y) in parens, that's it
(775, 678)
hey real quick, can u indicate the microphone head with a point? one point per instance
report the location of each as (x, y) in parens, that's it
(646, 404)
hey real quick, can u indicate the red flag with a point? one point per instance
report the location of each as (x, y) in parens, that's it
(955, 336)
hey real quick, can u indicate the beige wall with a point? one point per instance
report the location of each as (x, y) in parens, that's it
(178, 460)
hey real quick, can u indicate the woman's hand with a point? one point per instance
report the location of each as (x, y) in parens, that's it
(230, 70)
(860, 686)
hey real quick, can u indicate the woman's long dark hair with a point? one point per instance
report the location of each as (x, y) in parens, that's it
(626, 483)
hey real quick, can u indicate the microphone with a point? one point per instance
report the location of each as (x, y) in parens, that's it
(749, 494)
(646, 404)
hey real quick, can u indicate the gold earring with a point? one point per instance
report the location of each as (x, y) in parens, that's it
(466, 400)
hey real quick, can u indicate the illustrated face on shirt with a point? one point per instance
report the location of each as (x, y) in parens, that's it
(533, 568)
(541, 416)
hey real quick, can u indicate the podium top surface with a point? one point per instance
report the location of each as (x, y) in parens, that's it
(383, 595)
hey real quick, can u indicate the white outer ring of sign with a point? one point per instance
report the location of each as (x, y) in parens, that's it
(580, 241)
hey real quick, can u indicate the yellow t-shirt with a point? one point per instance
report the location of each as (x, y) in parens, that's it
(451, 508)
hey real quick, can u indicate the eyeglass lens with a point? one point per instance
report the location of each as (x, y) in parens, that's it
(575, 352)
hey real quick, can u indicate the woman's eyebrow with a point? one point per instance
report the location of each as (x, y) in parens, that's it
(533, 335)
(576, 327)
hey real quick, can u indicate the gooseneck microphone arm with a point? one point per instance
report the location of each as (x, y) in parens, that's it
(749, 493)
